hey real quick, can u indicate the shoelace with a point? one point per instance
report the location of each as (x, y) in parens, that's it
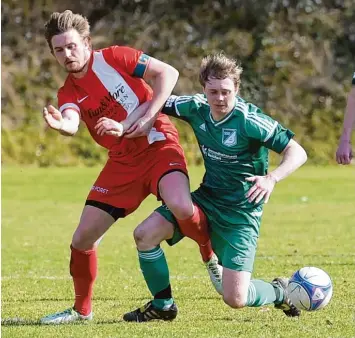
(67, 311)
(214, 269)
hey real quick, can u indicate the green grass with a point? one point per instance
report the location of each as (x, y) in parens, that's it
(310, 220)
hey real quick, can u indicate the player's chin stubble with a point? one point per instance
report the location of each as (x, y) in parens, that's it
(75, 70)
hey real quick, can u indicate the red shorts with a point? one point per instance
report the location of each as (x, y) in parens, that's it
(125, 186)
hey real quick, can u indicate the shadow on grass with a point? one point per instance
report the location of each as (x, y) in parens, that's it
(28, 322)
(231, 319)
(47, 299)
(101, 299)
(18, 322)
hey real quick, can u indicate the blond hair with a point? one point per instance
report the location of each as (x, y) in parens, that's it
(59, 23)
(220, 67)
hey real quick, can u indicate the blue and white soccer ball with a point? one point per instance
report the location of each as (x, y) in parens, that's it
(310, 289)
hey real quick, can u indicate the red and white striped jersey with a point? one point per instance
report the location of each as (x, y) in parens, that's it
(113, 87)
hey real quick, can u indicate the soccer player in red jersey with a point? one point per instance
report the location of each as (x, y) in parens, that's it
(104, 87)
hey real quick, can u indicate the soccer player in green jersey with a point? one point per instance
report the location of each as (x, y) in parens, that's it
(234, 137)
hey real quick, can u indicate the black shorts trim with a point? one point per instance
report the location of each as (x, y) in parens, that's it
(115, 212)
(166, 173)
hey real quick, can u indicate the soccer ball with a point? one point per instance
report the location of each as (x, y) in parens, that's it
(310, 289)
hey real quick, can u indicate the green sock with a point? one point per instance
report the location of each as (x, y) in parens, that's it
(261, 293)
(156, 274)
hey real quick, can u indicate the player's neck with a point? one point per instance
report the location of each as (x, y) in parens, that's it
(84, 70)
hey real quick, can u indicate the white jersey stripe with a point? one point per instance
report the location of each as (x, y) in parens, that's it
(271, 131)
(259, 121)
(187, 97)
(269, 126)
(244, 109)
(201, 98)
(176, 108)
(180, 100)
(115, 84)
(260, 125)
(200, 101)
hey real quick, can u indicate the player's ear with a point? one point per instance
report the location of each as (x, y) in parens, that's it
(87, 42)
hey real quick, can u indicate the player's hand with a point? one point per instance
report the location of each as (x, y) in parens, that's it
(105, 126)
(53, 117)
(261, 189)
(140, 128)
(344, 153)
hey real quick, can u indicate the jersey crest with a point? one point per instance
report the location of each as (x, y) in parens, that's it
(229, 137)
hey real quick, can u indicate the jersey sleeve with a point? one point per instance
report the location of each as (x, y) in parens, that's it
(66, 100)
(131, 60)
(183, 107)
(263, 128)
(353, 81)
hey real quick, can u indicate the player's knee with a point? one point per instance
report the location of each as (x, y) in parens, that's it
(82, 241)
(181, 207)
(235, 301)
(140, 235)
(145, 238)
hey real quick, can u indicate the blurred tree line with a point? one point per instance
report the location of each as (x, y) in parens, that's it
(298, 60)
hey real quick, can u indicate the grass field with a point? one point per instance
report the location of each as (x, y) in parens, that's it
(310, 220)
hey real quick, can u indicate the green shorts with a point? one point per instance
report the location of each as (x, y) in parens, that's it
(234, 231)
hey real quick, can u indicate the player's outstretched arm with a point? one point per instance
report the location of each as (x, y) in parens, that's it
(67, 123)
(344, 152)
(293, 156)
(164, 78)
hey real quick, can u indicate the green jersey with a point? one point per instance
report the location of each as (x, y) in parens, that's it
(233, 148)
